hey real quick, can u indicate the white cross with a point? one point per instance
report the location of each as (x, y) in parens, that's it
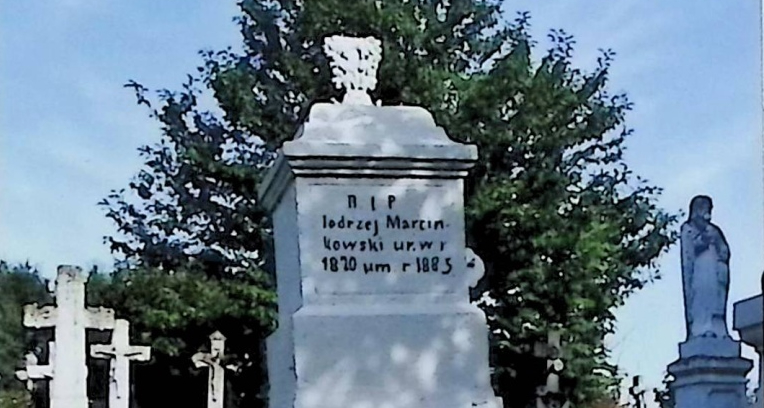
(120, 352)
(33, 371)
(216, 376)
(70, 318)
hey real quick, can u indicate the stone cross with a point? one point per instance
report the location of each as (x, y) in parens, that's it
(549, 395)
(121, 353)
(354, 63)
(637, 391)
(70, 318)
(216, 376)
(33, 371)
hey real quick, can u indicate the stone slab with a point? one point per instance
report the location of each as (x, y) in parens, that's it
(381, 237)
(409, 132)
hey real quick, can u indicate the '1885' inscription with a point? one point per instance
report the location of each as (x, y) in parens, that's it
(370, 235)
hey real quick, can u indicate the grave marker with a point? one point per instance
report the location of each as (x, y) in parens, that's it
(69, 318)
(121, 353)
(710, 371)
(372, 271)
(216, 371)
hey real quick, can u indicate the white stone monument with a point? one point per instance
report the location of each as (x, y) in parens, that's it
(70, 318)
(710, 372)
(373, 284)
(120, 353)
(212, 361)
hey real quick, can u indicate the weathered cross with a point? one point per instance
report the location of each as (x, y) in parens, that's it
(33, 371)
(637, 391)
(549, 395)
(121, 353)
(216, 376)
(70, 318)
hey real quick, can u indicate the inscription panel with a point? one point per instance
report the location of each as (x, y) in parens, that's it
(377, 237)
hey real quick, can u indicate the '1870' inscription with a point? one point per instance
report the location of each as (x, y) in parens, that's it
(378, 234)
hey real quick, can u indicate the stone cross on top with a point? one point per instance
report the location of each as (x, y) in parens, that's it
(213, 362)
(354, 63)
(121, 353)
(70, 318)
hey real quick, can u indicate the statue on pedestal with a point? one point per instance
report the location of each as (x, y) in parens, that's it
(710, 373)
(705, 272)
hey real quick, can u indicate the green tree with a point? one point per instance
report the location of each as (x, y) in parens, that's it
(565, 230)
(19, 285)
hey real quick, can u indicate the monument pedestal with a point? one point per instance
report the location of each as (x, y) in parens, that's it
(372, 272)
(402, 355)
(710, 374)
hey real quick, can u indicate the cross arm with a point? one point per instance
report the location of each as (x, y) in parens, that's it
(40, 372)
(138, 353)
(103, 351)
(100, 318)
(203, 359)
(39, 317)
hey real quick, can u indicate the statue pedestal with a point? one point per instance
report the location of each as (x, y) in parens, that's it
(709, 374)
(709, 347)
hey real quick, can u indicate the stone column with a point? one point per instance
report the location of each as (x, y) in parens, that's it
(374, 311)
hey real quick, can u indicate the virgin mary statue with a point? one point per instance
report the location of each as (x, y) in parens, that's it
(705, 272)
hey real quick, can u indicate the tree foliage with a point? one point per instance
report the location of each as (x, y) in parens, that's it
(565, 229)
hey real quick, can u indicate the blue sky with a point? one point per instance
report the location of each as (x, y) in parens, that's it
(69, 130)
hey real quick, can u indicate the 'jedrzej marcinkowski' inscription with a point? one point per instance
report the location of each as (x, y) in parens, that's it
(372, 237)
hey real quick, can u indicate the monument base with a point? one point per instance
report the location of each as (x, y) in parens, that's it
(710, 347)
(709, 382)
(388, 355)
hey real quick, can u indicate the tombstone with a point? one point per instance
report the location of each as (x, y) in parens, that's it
(120, 353)
(69, 318)
(216, 371)
(710, 372)
(373, 280)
